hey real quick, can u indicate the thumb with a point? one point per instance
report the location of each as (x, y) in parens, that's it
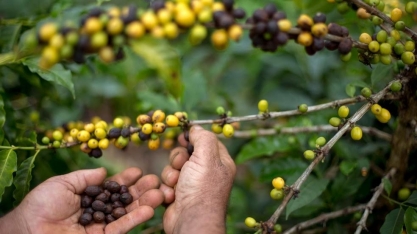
(78, 181)
(205, 145)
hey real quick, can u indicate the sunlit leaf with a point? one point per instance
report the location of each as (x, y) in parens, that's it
(8, 164)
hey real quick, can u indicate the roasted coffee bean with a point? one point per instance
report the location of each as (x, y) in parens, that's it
(109, 208)
(118, 212)
(86, 201)
(109, 218)
(117, 204)
(99, 217)
(93, 190)
(124, 189)
(115, 197)
(98, 205)
(88, 210)
(85, 219)
(102, 197)
(113, 187)
(126, 198)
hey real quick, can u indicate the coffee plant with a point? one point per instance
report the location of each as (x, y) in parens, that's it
(315, 100)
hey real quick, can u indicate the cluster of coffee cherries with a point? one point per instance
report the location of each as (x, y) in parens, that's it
(227, 129)
(104, 203)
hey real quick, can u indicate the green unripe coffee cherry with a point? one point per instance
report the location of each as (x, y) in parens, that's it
(373, 46)
(403, 194)
(346, 57)
(45, 140)
(409, 46)
(408, 57)
(57, 135)
(303, 108)
(381, 5)
(276, 194)
(414, 225)
(250, 222)
(357, 215)
(366, 92)
(31, 41)
(410, 8)
(220, 110)
(309, 154)
(396, 86)
(263, 105)
(386, 59)
(343, 7)
(400, 25)
(277, 228)
(375, 58)
(374, 2)
(399, 49)
(334, 121)
(320, 141)
(391, 41)
(382, 36)
(56, 144)
(376, 20)
(385, 49)
(343, 111)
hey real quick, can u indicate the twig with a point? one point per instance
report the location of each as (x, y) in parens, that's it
(295, 130)
(325, 217)
(362, 223)
(322, 153)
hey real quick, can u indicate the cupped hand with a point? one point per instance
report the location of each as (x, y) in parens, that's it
(54, 205)
(197, 186)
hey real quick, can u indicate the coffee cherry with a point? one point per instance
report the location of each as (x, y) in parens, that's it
(366, 92)
(93, 25)
(385, 49)
(395, 34)
(124, 189)
(343, 7)
(98, 205)
(83, 136)
(408, 58)
(309, 154)
(118, 212)
(277, 228)
(410, 7)
(115, 197)
(100, 133)
(99, 39)
(409, 46)
(149, 20)
(238, 13)
(143, 136)
(303, 108)
(85, 219)
(113, 187)
(92, 143)
(45, 140)
(89, 127)
(343, 111)
(396, 86)
(185, 18)
(403, 194)
(235, 32)
(263, 105)
(172, 121)
(284, 25)
(228, 130)
(153, 144)
(216, 128)
(98, 217)
(147, 128)
(56, 144)
(89, 210)
(304, 22)
(386, 59)
(86, 201)
(96, 153)
(320, 141)
(363, 14)
(399, 49)
(384, 117)
(109, 208)
(250, 222)
(126, 198)
(399, 25)
(219, 39)
(396, 14)
(414, 225)
(47, 31)
(345, 46)
(276, 194)
(365, 38)
(158, 128)
(305, 39)
(110, 218)
(57, 135)
(373, 46)
(197, 34)
(346, 57)
(319, 30)
(376, 109)
(103, 197)
(118, 122)
(57, 41)
(356, 133)
(376, 20)
(135, 30)
(278, 183)
(158, 116)
(382, 36)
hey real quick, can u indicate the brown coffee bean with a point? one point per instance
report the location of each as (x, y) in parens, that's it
(98, 205)
(109, 208)
(117, 204)
(102, 197)
(115, 197)
(88, 210)
(85, 219)
(118, 212)
(93, 190)
(109, 218)
(124, 189)
(126, 198)
(113, 187)
(86, 201)
(99, 217)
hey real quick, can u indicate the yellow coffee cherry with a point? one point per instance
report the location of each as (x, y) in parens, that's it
(235, 32)
(305, 39)
(158, 116)
(158, 32)
(74, 133)
(149, 20)
(92, 143)
(343, 111)
(171, 30)
(284, 25)
(143, 119)
(115, 26)
(207, 3)
(170, 134)
(363, 14)
(47, 31)
(158, 127)
(83, 136)
(185, 18)
(147, 128)
(180, 115)
(228, 130)
(106, 54)
(93, 25)
(118, 122)
(278, 183)
(217, 6)
(101, 124)
(84, 148)
(135, 138)
(197, 6)
(172, 121)
(57, 41)
(154, 144)
(376, 109)
(50, 55)
(89, 127)
(219, 39)
(263, 105)
(384, 116)
(365, 38)
(104, 143)
(356, 133)
(396, 14)
(276, 194)
(168, 144)
(216, 128)
(250, 222)
(164, 16)
(304, 21)
(319, 30)
(197, 34)
(114, 12)
(100, 133)
(205, 16)
(135, 30)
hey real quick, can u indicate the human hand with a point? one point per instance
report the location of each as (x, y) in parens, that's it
(54, 205)
(198, 187)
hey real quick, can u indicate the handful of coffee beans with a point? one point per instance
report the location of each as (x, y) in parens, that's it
(104, 203)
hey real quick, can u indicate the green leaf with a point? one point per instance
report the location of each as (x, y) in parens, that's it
(162, 57)
(100, 2)
(393, 222)
(23, 178)
(285, 167)
(350, 90)
(2, 113)
(381, 74)
(57, 74)
(309, 191)
(8, 164)
(195, 89)
(262, 146)
(387, 185)
(346, 167)
(412, 199)
(409, 217)
(158, 101)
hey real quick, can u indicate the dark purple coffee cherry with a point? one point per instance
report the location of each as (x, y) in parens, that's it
(109, 208)
(331, 45)
(319, 18)
(270, 9)
(190, 148)
(117, 204)
(118, 212)
(281, 38)
(228, 4)
(85, 219)
(279, 15)
(124, 189)
(114, 187)
(98, 205)
(225, 21)
(239, 13)
(109, 218)
(114, 133)
(143, 136)
(102, 197)
(157, 5)
(86, 201)
(96, 153)
(272, 27)
(107, 192)
(93, 190)
(99, 217)
(345, 46)
(318, 43)
(115, 197)
(125, 132)
(260, 15)
(126, 198)
(88, 210)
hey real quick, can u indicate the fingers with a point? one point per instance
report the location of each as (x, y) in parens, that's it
(169, 193)
(205, 145)
(130, 220)
(170, 176)
(127, 177)
(226, 159)
(143, 185)
(178, 157)
(77, 181)
(152, 198)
